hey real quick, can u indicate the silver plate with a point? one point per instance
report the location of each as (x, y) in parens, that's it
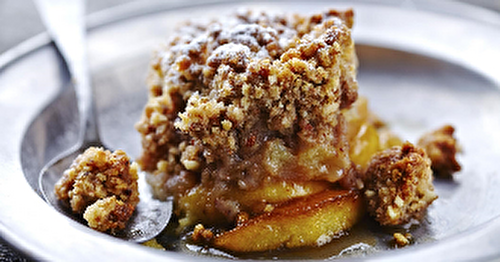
(421, 65)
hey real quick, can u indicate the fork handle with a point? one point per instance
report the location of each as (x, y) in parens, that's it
(65, 23)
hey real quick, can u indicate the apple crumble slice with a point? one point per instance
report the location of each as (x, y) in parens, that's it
(248, 102)
(253, 123)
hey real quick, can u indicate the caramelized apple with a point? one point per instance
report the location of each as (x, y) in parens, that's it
(310, 221)
(200, 205)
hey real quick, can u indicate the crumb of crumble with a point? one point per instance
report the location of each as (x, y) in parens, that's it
(398, 185)
(402, 240)
(104, 180)
(441, 147)
(200, 234)
(108, 214)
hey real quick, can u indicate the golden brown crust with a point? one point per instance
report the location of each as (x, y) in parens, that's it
(398, 185)
(226, 96)
(441, 147)
(99, 174)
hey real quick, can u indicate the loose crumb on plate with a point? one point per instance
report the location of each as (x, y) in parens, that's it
(441, 147)
(202, 235)
(399, 185)
(402, 240)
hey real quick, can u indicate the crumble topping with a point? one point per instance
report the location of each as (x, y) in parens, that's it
(241, 99)
(102, 186)
(398, 185)
(402, 240)
(108, 213)
(441, 147)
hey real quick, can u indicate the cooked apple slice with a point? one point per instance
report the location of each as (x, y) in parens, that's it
(279, 192)
(251, 201)
(310, 221)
